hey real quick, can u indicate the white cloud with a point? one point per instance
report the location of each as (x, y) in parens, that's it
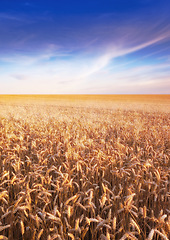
(56, 71)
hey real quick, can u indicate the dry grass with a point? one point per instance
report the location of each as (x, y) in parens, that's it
(84, 171)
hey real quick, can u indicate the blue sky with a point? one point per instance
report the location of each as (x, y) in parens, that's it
(95, 47)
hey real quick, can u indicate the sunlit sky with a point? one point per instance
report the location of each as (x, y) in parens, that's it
(85, 47)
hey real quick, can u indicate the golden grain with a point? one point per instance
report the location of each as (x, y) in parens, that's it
(89, 170)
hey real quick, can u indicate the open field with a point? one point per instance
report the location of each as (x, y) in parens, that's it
(84, 99)
(84, 167)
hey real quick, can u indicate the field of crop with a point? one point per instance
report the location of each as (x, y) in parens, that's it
(88, 168)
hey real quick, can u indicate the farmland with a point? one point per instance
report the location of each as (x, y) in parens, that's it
(84, 167)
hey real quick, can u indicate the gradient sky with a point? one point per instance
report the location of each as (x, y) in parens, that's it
(78, 46)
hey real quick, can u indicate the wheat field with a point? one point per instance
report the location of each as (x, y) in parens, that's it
(84, 167)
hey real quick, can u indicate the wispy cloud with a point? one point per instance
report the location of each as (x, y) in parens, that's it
(8, 16)
(72, 59)
(20, 77)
